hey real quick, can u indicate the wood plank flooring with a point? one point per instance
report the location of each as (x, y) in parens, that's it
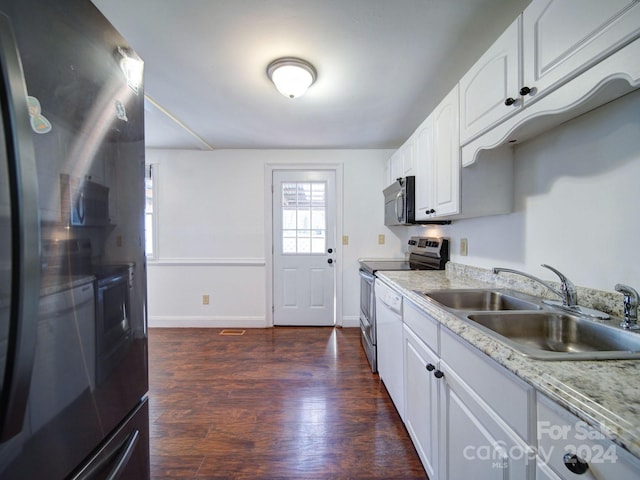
(277, 403)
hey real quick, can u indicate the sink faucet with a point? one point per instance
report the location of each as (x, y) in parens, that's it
(567, 291)
(631, 299)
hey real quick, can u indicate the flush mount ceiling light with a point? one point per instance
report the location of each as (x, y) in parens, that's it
(291, 76)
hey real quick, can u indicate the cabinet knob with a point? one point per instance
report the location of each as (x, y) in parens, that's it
(330, 261)
(429, 211)
(574, 464)
(330, 250)
(525, 91)
(509, 101)
(438, 374)
(430, 367)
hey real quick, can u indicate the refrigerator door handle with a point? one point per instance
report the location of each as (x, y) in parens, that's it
(125, 454)
(25, 282)
(118, 456)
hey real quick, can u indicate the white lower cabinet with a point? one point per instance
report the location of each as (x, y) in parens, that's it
(453, 410)
(470, 418)
(571, 449)
(476, 443)
(421, 400)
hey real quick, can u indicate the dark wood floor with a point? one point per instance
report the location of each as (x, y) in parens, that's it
(278, 403)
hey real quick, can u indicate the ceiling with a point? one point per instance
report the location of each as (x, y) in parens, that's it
(382, 66)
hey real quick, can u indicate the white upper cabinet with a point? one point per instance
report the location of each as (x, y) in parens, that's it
(446, 156)
(489, 91)
(402, 163)
(436, 144)
(574, 55)
(396, 165)
(563, 38)
(423, 148)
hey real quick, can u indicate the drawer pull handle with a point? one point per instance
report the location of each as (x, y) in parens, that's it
(574, 464)
(430, 367)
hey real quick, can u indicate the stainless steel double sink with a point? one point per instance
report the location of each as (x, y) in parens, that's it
(536, 330)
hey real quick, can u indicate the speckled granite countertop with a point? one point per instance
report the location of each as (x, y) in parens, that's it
(605, 394)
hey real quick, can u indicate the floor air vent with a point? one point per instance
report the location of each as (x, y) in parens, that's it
(232, 332)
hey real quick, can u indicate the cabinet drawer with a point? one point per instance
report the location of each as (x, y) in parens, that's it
(560, 432)
(425, 327)
(507, 395)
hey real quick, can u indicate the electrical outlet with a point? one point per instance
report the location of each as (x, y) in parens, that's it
(205, 299)
(345, 239)
(381, 239)
(464, 247)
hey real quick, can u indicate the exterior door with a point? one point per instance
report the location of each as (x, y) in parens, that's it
(304, 250)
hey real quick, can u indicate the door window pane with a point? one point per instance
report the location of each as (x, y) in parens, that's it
(304, 223)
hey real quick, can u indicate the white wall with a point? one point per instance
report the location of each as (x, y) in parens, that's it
(212, 227)
(576, 204)
(576, 197)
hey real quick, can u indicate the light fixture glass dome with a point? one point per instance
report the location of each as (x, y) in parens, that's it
(291, 76)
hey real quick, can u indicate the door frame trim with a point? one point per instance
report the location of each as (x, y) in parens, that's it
(269, 169)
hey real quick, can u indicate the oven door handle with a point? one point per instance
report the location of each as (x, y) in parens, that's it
(367, 276)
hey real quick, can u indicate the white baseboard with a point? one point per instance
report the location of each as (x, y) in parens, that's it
(225, 322)
(350, 322)
(206, 322)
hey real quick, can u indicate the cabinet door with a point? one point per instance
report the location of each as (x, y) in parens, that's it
(423, 147)
(396, 165)
(408, 158)
(421, 400)
(562, 38)
(386, 175)
(446, 156)
(489, 83)
(475, 443)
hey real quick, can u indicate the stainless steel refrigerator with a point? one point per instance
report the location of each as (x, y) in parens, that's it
(73, 336)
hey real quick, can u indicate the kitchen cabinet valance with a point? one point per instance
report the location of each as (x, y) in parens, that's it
(544, 70)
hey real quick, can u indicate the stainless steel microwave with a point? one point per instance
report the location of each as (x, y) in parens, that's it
(399, 202)
(83, 202)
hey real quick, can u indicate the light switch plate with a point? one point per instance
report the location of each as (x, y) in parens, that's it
(345, 239)
(381, 239)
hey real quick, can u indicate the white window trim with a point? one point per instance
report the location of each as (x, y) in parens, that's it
(155, 169)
